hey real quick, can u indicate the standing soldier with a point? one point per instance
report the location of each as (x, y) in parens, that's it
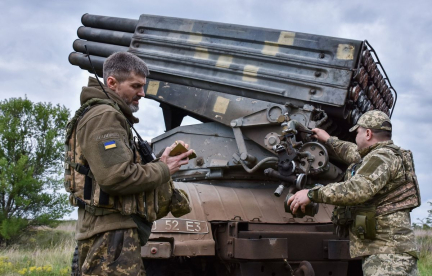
(375, 200)
(118, 195)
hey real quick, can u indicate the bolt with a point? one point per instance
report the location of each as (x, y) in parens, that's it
(312, 91)
(322, 55)
(272, 141)
(200, 161)
(153, 250)
(233, 123)
(317, 73)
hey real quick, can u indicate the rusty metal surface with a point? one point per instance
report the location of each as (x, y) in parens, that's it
(221, 203)
(190, 244)
(253, 202)
(156, 250)
(260, 249)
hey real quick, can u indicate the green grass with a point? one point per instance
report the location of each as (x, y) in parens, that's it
(424, 241)
(42, 251)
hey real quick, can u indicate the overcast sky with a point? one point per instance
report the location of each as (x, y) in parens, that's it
(37, 37)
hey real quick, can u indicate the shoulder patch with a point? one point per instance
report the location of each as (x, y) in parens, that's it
(370, 166)
(110, 145)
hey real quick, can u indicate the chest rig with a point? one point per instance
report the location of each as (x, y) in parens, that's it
(401, 195)
(79, 181)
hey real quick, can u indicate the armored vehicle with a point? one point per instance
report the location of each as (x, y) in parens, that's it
(258, 93)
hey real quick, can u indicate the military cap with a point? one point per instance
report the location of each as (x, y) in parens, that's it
(373, 119)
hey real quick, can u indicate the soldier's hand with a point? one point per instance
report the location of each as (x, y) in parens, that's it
(299, 200)
(175, 162)
(320, 134)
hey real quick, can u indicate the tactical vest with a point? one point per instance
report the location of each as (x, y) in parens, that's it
(404, 194)
(407, 194)
(84, 190)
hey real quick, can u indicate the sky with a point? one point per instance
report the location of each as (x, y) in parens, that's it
(37, 36)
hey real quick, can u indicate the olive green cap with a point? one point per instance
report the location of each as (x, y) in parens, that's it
(373, 119)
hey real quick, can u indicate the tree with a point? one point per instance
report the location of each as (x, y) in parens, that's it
(31, 154)
(425, 223)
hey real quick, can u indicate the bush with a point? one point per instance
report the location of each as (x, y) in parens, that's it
(31, 151)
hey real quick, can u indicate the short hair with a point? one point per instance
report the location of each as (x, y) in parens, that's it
(382, 134)
(120, 65)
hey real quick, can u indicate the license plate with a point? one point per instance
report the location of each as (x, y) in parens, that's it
(180, 226)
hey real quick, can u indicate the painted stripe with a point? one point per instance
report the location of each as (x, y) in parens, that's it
(250, 73)
(201, 53)
(195, 38)
(270, 49)
(221, 105)
(224, 61)
(152, 88)
(345, 52)
(286, 38)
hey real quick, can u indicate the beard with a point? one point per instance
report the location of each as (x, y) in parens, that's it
(134, 108)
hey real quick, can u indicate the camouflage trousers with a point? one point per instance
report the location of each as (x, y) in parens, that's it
(111, 253)
(390, 264)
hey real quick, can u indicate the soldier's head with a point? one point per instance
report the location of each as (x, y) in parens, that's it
(125, 74)
(372, 127)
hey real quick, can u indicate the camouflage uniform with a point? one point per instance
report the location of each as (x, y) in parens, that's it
(111, 253)
(373, 172)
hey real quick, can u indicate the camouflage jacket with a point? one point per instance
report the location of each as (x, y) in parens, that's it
(372, 172)
(116, 170)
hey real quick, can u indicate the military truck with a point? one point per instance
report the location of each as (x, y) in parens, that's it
(258, 93)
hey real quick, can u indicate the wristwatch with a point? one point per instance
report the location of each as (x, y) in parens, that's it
(309, 194)
(313, 193)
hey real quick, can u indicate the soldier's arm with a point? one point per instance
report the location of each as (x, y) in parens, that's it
(103, 137)
(371, 177)
(344, 151)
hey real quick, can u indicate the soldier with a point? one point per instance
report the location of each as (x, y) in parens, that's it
(118, 197)
(380, 190)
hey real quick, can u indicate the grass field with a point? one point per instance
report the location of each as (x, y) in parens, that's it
(42, 251)
(46, 251)
(424, 241)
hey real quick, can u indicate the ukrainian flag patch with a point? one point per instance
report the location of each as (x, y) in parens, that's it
(110, 145)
